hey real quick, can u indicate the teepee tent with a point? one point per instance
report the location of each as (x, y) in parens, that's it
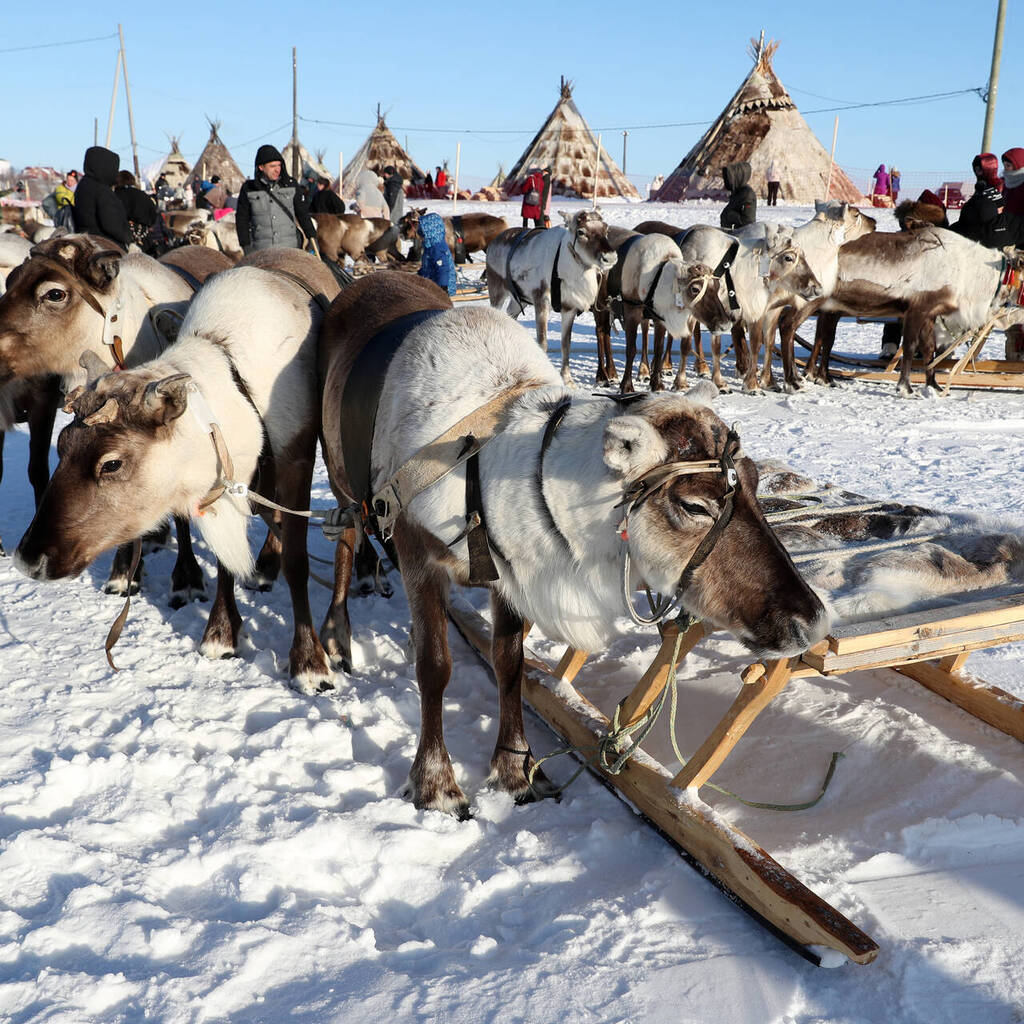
(175, 168)
(567, 145)
(307, 162)
(380, 150)
(215, 159)
(759, 125)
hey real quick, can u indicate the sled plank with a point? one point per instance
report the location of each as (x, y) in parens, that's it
(739, 863)
(965, 379)
(998, 708)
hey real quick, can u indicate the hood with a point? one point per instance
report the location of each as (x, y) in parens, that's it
(431, 227)
(101, 164)
(1016, 158)
(267, 154)
(736, 175)
(366, 179)
(986, 168)
(880, 169)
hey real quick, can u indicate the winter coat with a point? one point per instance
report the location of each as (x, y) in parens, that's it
(369, 198)
(326, 201)
(742, 205)
(881, 181)
(436, 264)
(1013, 182)
(64, 196)
(138, 207)
(394, 196)
(271, 213)
(979, 211)
(533, 181)
(97, 210)
(545, 193)
(894, 183)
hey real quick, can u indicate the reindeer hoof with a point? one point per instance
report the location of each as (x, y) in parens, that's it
(217, 649)
(121, 587)
(448, 799)
(186, 595)
(3, 553)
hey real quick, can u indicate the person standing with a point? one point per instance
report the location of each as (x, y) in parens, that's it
(97, 210)
(531, 191)
(978, 213)
(140, 210)
(64, 196)
(894, 184)
(441, 183)
(370, 200)
(394, 193)
(880, 193)
(436, 263)
(1013, 180)
(742, 205)
(545, 196)
(271, 211)
(773, 184)
(326, 200)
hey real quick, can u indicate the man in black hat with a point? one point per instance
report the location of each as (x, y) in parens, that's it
(271, 208)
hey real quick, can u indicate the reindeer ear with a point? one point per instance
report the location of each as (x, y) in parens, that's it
(94, 366)
(103, 266)
(165, 400)
(631, 445)
(566, 217)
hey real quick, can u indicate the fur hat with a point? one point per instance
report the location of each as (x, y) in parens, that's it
(920, 214)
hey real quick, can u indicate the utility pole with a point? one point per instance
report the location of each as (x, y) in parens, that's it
(625, 135)
(295, 116)
(95, 131)
(993, 78)
(113, 96)
(128, 98)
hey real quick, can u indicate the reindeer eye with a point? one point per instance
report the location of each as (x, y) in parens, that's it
(55, 295)
(691, 508)
(110, 466)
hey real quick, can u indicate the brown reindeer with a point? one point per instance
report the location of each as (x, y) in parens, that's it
(475, 230)
(349, 235)
(583, 496)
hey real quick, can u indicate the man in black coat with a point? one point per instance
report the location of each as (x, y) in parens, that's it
(272, 209)
(97, 210)
(394, 193)
(325, 200)
(742, 205)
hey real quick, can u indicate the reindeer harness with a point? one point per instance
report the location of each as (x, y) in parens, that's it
(615, 296)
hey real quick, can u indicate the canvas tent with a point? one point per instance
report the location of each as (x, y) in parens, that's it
(215, 159)
(380, 150)
(760, 124)
(567, 144)
(306, 163)
(175, 168)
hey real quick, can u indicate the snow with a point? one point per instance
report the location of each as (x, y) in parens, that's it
(190, 840)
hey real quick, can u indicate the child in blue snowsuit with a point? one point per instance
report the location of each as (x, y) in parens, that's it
(436, 264)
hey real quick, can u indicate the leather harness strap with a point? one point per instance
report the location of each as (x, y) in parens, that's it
(724, 269)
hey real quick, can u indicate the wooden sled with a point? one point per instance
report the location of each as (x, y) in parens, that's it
(929, 647)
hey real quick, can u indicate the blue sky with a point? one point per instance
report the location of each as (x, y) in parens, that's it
(487, 75)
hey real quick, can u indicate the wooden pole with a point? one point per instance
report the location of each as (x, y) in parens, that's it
(597, 169)
(113, 98)
(295, 116)
(455, 193)
(341, 171)
(95, 131)
(128, 99)
(993, 78)
(625, 136)
(832, 159)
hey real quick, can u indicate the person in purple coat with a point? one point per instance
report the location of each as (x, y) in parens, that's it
(881, 190)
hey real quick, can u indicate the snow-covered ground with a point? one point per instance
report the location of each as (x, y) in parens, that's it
(192, 841)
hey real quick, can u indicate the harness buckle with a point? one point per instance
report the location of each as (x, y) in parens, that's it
(237, 489)
(386, 506)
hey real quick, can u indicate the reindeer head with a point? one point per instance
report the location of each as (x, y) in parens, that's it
(48, 309)
(409, 224)
(748, 583)
(117, 475)
(590, 239)
(695, 289)
(786, 266)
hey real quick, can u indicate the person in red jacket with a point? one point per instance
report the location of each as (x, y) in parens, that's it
(1013, 180)
(441, 183)
(532, 191)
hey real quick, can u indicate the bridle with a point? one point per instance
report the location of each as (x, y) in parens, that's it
(656, 480)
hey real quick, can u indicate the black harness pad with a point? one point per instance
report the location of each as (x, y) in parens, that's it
(362, 397)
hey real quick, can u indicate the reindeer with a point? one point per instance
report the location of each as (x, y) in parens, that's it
(523, 267)
(765, 273)
(649, 279)
(82, 293)
(350, 235)
(583, 497)
(475, 230)
(820, 239)
(244, 369)
(932, 278)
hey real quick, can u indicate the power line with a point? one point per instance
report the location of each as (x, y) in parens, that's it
(69, 42)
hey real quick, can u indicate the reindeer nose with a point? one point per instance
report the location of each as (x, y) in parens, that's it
(34, 569)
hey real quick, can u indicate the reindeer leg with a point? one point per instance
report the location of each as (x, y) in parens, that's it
(626, 385)
(750, 382)
(220, 639)
(658, 356)
(3, 553)
(307, 662)
(767, 327)
(568, 319)
(643, 371)
(336, 632)
(739, 349)
(790, 320)
(716, 361)
(118, 582)
(512, 757)
(542, 311)
(827, 325)
(667, 364)
(187, 580)
(602, 330)
(431, 783)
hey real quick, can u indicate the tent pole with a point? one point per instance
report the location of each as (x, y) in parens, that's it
(341, 171)
(113, 97)
(597, 169)
(295, 117)
(128, 100)
(832, 159)
(455, 192)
